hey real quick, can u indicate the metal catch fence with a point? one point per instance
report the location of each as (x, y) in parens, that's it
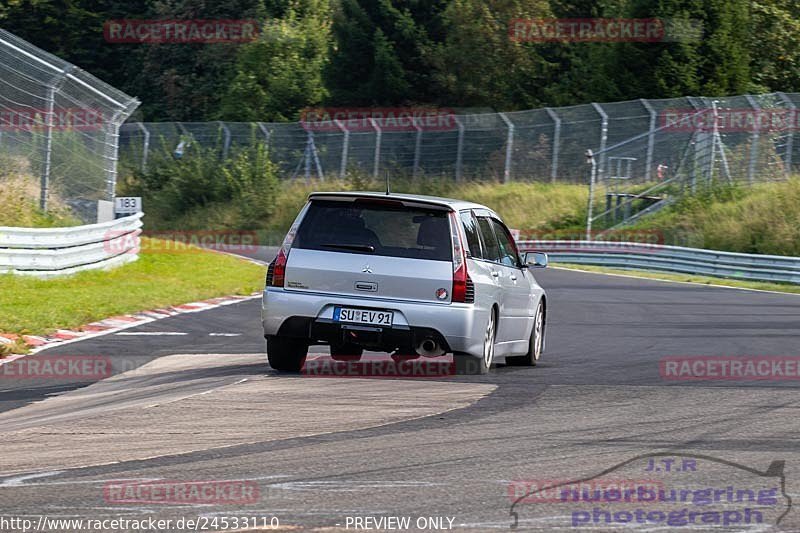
(546, 145)
(59, 127)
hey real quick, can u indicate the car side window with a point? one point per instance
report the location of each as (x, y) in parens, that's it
(491, 248)
(509, 255)
(471, 232)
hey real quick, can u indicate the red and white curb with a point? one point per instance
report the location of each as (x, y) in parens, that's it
(114, 324)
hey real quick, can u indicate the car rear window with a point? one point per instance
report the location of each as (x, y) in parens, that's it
(375, 229)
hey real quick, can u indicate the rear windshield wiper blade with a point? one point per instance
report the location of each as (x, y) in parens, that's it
(353, 247)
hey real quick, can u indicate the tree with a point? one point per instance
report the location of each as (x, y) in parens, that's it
(775, 45)
(381, 52)
(478, 64)
(281, 73)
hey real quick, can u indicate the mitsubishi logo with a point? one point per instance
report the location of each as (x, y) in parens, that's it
(367, 269)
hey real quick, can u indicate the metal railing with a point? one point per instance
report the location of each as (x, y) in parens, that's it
(545, 144)
(59, 126)
(59, 251)
(639, 256)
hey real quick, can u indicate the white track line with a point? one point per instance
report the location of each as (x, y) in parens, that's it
(150, 333)
(695, 283)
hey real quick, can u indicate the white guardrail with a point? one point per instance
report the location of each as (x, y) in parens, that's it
(58, 251)
(642, 256)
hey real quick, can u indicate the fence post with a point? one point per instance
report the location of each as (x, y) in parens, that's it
(417, 148)
(715, 130)
(603, 137)
(509, 148)
(459, 148)
(55, 85)
(751, 169)
(592, 178)
(345, 148)
(556, 142)
(226, 144)
(377, 160)
(145, 144)
(651, 140)
(111, 170)
(265, 131)
(793, 118)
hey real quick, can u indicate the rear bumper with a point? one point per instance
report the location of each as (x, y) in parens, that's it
(457, 327)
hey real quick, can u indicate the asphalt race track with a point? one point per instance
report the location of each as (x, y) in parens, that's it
(200, 404)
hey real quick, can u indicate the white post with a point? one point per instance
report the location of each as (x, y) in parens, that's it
(377, 160)
(651, 140)
(459, 148)
(509, 148)
(55, 85)
(145, 144)
(790, 135)
(751, 169)
(345, 148)
(592, 178)
(111, 171)
(226, 144)
(556, 142)
(265, 131)
(715, 116)
(417, 148)
(603, 137)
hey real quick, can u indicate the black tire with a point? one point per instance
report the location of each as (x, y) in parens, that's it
(286, 355)
(470, 365)
(346, 352)
(535, 344)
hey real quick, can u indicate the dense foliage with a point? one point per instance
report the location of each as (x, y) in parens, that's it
(453, 53)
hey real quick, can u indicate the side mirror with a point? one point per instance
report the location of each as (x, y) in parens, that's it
(536, 259)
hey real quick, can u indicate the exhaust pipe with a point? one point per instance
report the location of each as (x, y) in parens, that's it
(429, 348)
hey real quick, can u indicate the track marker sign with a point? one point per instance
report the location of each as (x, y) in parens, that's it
(127, 205)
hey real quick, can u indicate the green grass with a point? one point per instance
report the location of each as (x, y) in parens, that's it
(528, 206)
(19, 199)
(763, 219)
(158, 279)
(687, 278)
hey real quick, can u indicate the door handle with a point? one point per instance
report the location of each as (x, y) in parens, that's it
(513, 277)
(495, 273)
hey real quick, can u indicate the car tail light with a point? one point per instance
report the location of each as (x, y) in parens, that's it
(276, 273)
(463, 288)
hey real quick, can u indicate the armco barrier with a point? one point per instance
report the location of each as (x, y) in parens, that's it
(58, 251)
(671, 259)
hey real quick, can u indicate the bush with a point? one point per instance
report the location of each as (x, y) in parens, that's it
(200, 190)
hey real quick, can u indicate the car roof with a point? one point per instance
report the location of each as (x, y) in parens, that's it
(455, 205)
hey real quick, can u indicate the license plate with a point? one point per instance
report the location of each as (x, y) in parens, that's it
(363, 316)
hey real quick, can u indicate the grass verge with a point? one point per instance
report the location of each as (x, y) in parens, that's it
(159, 278)
(527, 206)
(687, 278)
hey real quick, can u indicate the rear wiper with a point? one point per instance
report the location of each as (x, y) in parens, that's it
(353, 247)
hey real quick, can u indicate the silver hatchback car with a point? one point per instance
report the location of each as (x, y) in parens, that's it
(404, 274)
